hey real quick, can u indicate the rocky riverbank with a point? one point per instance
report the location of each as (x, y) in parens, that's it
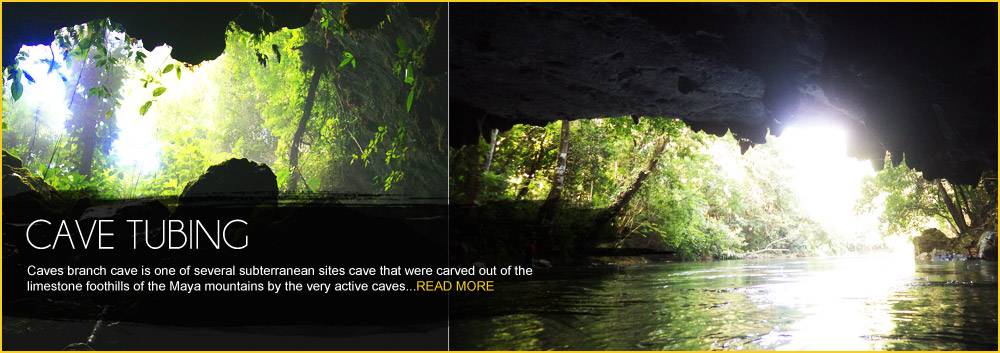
(933, 244)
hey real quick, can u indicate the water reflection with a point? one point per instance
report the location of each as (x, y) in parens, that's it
(841, 305)
(952, 306)
(873, 302)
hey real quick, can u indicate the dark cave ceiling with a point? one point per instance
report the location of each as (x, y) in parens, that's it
(913, 79)
(196, 31)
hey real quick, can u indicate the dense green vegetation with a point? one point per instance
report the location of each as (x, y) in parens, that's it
(96, 112)
(911, 204)
(653, 182)
(335, 109)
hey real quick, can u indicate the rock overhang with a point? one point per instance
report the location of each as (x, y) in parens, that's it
(911, 79)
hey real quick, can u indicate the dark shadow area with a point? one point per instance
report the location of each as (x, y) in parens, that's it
(315, 232)
(912, 79)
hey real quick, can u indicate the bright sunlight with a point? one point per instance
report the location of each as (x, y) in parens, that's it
(826, 182)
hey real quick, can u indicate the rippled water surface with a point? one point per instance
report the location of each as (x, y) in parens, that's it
(848, 303)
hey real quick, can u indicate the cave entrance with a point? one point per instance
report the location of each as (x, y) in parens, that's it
(655, 185)
(332, 106)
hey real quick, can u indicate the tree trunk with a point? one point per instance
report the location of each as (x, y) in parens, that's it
(34, 135)
(473, 183)
(293, 153)
(86, 120)
(966, 205)
(533, 169)
(626, 196)
(493, 148)
(558, 179)
(975, 206)
(88, 143)
(88, 140)
(955, 211)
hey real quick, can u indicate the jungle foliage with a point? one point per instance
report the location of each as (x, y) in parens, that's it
(652, 182)
(327, 107)
(912, 203)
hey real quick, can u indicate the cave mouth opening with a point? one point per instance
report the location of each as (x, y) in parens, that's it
(816, 167)
(700, 193)
(828, 182)
(330, 105)
(62, 86)
(149, 116)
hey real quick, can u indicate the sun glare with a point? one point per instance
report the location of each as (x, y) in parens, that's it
(47, 88)
(138, 146)
(826, 181)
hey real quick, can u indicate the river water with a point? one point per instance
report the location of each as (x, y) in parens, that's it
(867, 302)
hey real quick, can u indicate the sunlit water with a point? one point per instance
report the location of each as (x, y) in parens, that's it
(852, 303)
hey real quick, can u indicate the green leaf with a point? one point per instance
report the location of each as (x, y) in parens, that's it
(16, 88)
(99, 91)
(85, 43)
(408, 79)
(347, 58)
(170, 67)
(178, 72)
(159, 91)
(145, 107)
(403, 48)
(409, 99)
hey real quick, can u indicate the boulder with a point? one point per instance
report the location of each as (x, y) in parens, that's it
(22, 180)
(26, 195)
(234, 189)
(11, 161)
(234, 181)
(988, 246)
(932, 239)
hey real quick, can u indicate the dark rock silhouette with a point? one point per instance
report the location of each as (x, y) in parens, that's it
(235, 180)
(25, 194)
(916, 80)
(10, 161)
(196, 32)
